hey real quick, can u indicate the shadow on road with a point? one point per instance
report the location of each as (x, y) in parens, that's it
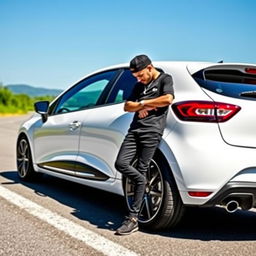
(215, 224)
(100, 208)
(106, 211)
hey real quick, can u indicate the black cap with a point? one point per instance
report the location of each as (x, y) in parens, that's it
(139, 62)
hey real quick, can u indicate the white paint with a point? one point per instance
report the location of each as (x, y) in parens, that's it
(92, 239)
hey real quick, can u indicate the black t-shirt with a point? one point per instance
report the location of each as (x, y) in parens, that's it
(155, 121)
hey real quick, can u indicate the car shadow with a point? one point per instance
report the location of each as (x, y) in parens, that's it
(106, 211)
(215, 223)
(103, 209)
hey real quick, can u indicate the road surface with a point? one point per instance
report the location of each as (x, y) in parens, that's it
(56, 217)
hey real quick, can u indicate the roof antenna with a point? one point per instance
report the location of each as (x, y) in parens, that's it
(221, 61)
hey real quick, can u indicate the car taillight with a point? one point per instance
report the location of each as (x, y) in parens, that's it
(204, 111)
(250, 70)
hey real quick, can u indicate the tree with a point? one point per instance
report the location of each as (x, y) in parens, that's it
(5, 96)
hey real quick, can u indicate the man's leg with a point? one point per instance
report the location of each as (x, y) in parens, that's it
(146, 150)
(126, 154)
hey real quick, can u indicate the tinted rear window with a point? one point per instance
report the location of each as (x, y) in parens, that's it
(232, 83)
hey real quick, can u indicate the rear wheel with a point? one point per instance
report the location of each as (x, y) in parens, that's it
(162, 207)
(24, 160)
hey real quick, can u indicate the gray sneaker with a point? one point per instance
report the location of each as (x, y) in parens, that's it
(129, 226)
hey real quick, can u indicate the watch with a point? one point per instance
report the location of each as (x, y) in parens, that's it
(142, 102)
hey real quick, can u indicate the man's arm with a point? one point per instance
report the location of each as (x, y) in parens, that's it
(132, 106)
(161, 101)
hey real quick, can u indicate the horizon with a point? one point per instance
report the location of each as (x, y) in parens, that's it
(33, 86)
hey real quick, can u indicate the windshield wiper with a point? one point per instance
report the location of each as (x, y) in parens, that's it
(249, 94)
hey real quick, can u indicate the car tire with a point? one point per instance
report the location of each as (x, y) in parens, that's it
(162, 207)
(24, 160)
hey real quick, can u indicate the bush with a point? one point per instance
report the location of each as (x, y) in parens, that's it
(18, 103)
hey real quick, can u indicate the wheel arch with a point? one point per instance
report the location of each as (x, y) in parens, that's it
(171, 209)
(165, 152)
(159, 155)
(23, 134)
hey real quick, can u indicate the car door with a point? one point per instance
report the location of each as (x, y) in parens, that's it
(56, 141)
(103, 131)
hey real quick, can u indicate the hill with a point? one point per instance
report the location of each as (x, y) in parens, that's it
(32, 91)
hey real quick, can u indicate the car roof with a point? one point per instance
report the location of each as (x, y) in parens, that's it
(159, 64)
(191, 66)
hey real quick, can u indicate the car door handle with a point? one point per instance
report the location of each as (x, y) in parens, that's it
(74, 125)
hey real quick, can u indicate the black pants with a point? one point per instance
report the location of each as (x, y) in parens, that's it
(142, 145)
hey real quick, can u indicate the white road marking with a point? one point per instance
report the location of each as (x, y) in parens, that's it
(92, 239)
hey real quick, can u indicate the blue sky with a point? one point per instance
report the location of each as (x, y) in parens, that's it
(53, 43)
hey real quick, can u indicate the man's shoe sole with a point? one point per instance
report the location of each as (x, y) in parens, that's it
(127, 233)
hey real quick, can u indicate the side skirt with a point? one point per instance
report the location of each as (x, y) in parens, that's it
(75, 169)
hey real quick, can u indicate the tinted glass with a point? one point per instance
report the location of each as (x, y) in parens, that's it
(231, 83)
(123, 87)
(85, 94)
(41, 106)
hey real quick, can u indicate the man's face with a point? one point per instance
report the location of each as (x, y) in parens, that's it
(145, 75)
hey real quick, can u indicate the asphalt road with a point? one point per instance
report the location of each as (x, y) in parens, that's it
(201, 232)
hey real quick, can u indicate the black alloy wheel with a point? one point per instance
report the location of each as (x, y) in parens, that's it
(153, 196)
(162, 207)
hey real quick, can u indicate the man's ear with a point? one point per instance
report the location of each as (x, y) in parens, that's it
(150, 67)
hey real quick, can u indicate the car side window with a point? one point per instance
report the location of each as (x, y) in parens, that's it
(123, 87)
(85, 94)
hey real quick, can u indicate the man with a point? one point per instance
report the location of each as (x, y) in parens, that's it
(150, 99)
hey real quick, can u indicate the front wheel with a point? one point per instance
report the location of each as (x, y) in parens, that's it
(24, 160)
(162, 207)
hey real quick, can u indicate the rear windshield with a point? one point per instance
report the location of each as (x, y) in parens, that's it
(232, 83)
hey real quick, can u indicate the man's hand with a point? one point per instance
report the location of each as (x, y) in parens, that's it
(144, 112)
(161, 101)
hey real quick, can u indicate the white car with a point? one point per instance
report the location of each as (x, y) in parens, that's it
(207, 155)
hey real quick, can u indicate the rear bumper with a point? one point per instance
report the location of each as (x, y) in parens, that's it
(243, 192)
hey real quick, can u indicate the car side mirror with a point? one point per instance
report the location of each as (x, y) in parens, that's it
(42, 107)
